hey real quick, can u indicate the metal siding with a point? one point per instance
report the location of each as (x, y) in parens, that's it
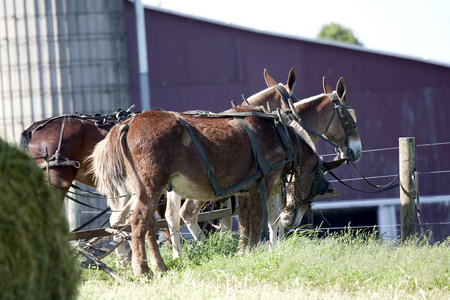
(59, 57)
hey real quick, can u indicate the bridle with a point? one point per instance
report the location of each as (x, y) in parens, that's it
(319, 186)
(347, 120)
(345, 117)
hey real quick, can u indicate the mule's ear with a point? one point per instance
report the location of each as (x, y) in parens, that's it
(330, 165)
(327, 89)
(269, 80)
(341, 90)
(292, 78)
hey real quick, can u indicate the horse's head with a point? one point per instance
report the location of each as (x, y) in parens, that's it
(309, 178)
(309, 183)
(341, 128)
(275, 95)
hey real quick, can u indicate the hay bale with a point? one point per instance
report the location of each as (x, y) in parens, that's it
(36, 261)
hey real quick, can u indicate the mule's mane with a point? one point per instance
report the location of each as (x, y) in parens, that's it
(303, 134)
(310, 99)
(259, 93)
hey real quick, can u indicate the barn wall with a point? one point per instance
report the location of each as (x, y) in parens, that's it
(195, 64)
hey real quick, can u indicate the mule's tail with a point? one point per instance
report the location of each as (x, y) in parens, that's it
(25, 138)
(108, 165)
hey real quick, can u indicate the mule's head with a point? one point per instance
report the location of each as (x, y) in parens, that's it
(309, 183)
(342, 128)
(276, 94)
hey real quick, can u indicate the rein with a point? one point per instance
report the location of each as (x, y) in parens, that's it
(375, 185)
(369, 192)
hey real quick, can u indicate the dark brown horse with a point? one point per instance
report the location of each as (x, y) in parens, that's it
(201, 158)
(62, 144)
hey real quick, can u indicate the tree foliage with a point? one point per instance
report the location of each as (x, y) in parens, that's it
(338, 33)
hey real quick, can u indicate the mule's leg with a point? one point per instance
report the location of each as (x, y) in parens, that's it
(244, 225)
(155, 255)
(278, 222)
(173, 221)
(227, 222)
(274, 209)
(255, 220)
(140, 223)
(160, 213)
(272, 214)
(189, 212)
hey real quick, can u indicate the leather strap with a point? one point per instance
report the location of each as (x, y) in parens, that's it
(203, 157)
(260, 160)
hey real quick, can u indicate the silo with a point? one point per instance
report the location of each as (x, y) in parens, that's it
(60, 57)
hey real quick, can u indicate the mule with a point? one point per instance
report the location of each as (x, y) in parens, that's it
(191, 208)
(319, 116)
(191, 155)
(344, 136)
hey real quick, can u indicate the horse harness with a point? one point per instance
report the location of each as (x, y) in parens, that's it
(290, 164)
(58, 159)
(346, 116)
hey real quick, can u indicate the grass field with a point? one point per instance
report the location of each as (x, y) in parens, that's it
(339, 266)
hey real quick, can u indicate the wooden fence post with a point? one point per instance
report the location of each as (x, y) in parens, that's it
(406, 169)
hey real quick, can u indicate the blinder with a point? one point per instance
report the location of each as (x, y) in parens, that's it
(347, 117)
(320, 185)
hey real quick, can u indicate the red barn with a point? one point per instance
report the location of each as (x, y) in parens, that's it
(199, 64)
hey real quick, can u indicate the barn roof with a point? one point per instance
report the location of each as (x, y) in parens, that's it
(295, 37)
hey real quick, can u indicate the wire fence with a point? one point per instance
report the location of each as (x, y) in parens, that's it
(393, 175)
(435, 218)
(393, 228)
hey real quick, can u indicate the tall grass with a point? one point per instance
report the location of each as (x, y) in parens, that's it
(338, 266)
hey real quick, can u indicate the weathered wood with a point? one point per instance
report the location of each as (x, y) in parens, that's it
(205, 216)
(406, 169)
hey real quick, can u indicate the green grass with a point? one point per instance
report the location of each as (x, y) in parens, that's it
(339, 266)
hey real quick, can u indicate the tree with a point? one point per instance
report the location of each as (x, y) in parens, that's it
(338, 33)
